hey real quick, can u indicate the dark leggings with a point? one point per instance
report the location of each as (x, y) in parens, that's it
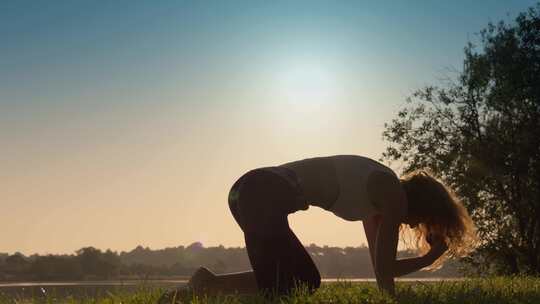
(260, 202)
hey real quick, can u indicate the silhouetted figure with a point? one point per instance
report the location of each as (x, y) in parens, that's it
(354, 188)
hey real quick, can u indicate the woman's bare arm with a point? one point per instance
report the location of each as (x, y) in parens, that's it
(405, 266)
(438, 248)
(385, 252)
(371, 226)
(385, 192)
(382, 233)
(402, 266)
(409, 265)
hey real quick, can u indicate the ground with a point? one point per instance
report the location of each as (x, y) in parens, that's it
(481, 290)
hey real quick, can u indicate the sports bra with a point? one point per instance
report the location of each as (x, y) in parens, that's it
(338, 183)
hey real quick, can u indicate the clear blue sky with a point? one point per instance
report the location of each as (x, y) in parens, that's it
(126, 122)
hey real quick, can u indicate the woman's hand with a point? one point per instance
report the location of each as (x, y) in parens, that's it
(438, 246)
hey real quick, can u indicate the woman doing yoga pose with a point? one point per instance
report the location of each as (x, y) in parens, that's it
(354, 188)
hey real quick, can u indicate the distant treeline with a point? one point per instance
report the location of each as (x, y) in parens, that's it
(93, 264)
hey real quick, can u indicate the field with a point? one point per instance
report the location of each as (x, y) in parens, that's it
(487, 290)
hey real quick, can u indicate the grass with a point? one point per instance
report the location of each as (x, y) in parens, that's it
(477, 291)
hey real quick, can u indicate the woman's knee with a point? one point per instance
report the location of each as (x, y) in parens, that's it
(313, 281)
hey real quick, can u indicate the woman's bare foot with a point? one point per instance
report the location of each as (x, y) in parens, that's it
(202, 280)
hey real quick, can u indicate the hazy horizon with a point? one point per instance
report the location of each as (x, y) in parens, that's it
(27, 254)
(125, 124)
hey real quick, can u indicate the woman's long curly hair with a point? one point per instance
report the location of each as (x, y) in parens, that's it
(439, 212)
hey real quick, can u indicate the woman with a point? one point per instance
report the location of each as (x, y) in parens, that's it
(354, 188)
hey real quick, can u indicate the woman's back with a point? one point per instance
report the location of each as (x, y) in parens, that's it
(338, 183)
(318, 179)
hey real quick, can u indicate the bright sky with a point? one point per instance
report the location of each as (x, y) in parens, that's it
(125, 123)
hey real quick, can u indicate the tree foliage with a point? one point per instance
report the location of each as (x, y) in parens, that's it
(90, 263)
(480, 131)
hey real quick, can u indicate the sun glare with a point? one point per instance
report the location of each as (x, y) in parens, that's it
(305, 97)
(307, 86)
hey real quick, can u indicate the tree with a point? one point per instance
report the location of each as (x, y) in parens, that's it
(95, 263)
(90, 260)
(480, 131)
(111, 264)
(16, 264)
(56, 267)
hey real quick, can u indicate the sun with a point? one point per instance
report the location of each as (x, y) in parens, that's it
(304, 97)
(306, 86)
